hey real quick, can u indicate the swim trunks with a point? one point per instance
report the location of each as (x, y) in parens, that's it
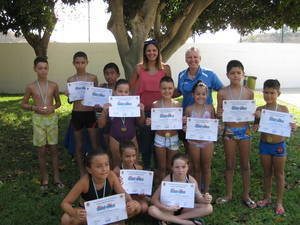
(278, 149)
(171, 143)
(237, 133)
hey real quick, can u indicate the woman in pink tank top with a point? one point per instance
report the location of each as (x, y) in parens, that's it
(145, 82)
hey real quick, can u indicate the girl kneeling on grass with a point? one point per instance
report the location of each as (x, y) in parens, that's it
(100, 181)
(175, 214)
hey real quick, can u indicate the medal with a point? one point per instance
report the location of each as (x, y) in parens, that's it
(44, 97)
(167, 135)
(124, 129)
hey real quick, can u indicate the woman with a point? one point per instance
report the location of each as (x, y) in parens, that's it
(145, 83)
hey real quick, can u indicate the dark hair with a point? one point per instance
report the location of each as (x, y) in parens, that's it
(272, 83)
(180, 155)
(80, 54)
(126, 144)
(120, 82)
(145, 59)
(166, 79)
(40, 59)
(234, 63)
(199, 83)
(111, 66)
(89, 157)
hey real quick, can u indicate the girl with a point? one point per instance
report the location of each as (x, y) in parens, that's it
(166, 142)
(201, 151)
(128, 161)
(99, 182)
(145, 83)
(174, 214)
(117, 134)
(236, 134)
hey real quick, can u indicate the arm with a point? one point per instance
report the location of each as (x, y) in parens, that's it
(71, 197)
(25, 100)
(220, 99)
(56, 97)
(141, 120)
(117, 186)
(95, 81)
(133, 79)
(102, 120)
(167, 70)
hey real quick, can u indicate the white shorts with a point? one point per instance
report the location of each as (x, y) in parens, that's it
(171, 143)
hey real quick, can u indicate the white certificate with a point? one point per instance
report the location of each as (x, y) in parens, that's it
(202, 129)
(76, 89)
(274, 122)
(124, 106)
(177, 194)
(137, 181)
(96, 96)
(238, 110)
(166, 118)
(106, 210)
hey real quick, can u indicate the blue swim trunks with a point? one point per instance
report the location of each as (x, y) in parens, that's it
(237, 133)
(278, 149)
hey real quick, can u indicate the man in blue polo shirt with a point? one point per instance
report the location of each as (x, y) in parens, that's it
(189, 77)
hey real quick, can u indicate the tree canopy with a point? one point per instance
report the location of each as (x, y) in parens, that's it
(172, 22)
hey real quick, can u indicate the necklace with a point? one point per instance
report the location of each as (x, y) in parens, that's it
(44, 97)
(202, 110)
(230, 93)
(123, 128)
(77, 77)
(95, 189)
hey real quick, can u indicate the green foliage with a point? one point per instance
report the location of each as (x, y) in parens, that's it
(22, 202)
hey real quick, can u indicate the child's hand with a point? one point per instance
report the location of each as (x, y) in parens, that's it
(131, 206)
(142, 107)
(148, 121)
(80, 214)
(106, 107)
(98, 108)
(207, 198)
(257, 114)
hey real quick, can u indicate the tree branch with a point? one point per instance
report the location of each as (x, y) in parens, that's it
(157, 23)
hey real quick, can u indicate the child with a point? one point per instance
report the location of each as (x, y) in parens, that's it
(128, 161)
(166, 142)
(272, 149)
(83, 116)
(175, 214)
(201, 151)
(111, 74)
(117, 134)
(44, 118)
(236, 134)
(99, 182)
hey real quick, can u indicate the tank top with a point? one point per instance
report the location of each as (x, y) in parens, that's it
(91, 195)
(148, 87)
(187, 178)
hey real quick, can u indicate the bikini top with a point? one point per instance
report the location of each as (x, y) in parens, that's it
(187, 178)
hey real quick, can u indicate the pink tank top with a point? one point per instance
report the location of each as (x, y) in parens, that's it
(148, 87)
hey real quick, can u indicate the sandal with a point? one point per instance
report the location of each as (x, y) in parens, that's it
(44, 187)
(263, 203)
(59, 185)
(250, 204)
(199, 220)
(222, 200)
(279, 211)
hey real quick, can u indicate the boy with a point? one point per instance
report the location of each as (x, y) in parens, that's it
(83, 116)
(45, 121)
(272, 149)
(236, 134)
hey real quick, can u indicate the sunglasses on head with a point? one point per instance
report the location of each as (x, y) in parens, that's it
(153, 41)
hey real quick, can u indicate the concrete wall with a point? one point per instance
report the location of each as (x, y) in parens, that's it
(265, 61)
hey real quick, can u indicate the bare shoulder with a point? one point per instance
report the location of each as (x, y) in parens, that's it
(91, 76)
(249, 92)
(31, 86)
(222, 91)
(188, 110)
(283, 108)
(156, 104)
(72, 78)
(139, 167)
(52, 83)
(210, 107)
(192, 179)
(177, 103)
(83, 183)
(167, 178)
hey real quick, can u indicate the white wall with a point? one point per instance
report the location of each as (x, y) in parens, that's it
(265, 61)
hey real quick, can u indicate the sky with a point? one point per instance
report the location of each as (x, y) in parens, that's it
(73, 26)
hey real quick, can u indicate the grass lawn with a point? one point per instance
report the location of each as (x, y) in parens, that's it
(22, 202)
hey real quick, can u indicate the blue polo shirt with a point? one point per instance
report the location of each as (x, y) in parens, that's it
(185, 85)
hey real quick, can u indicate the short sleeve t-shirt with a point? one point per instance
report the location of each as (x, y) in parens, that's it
(186, 84)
